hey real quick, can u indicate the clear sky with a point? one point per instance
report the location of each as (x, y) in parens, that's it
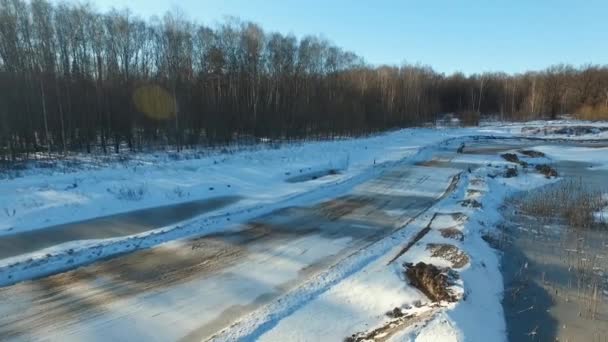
(467, 36)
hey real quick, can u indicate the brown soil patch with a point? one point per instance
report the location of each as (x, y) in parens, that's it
(432, 281)
(341, 207)
(451, 253)
(452, 233)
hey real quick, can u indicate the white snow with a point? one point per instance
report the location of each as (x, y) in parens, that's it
(350, 297)
(360, 301)
(41, 198)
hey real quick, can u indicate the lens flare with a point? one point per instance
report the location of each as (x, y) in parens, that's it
(154, 102)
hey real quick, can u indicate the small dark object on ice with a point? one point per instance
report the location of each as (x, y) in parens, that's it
(460, 149)
(395, 313)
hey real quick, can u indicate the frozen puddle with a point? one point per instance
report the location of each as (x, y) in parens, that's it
(107, 227)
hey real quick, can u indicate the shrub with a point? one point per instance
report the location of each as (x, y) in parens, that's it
(129, 193)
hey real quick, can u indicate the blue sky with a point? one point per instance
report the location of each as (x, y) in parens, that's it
(467, 36)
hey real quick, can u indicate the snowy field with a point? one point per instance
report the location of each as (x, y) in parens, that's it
(354, 294)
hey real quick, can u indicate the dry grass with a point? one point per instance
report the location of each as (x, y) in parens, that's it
(451, 253)
(569, 200)
(592, 113)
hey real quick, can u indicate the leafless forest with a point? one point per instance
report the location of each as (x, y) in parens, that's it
(74, 79)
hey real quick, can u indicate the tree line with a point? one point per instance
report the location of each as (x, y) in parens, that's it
(75, 79)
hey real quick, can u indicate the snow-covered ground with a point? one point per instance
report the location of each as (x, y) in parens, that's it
(40, 199)
(555, 129)
(45, 197)
(359, 302)
(355, 294)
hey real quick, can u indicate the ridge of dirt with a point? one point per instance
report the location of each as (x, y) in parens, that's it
(414, 240)
(425, 230)
(532, 153)
(386, 331)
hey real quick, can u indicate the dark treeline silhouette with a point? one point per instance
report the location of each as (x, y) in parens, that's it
(73, 79)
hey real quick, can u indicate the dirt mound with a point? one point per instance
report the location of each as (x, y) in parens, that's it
(532, 153)
(471, 203)
(546, 170)
(511, 172)
(431, 280)
(452, 233)
(510, 157)
(451, 253)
